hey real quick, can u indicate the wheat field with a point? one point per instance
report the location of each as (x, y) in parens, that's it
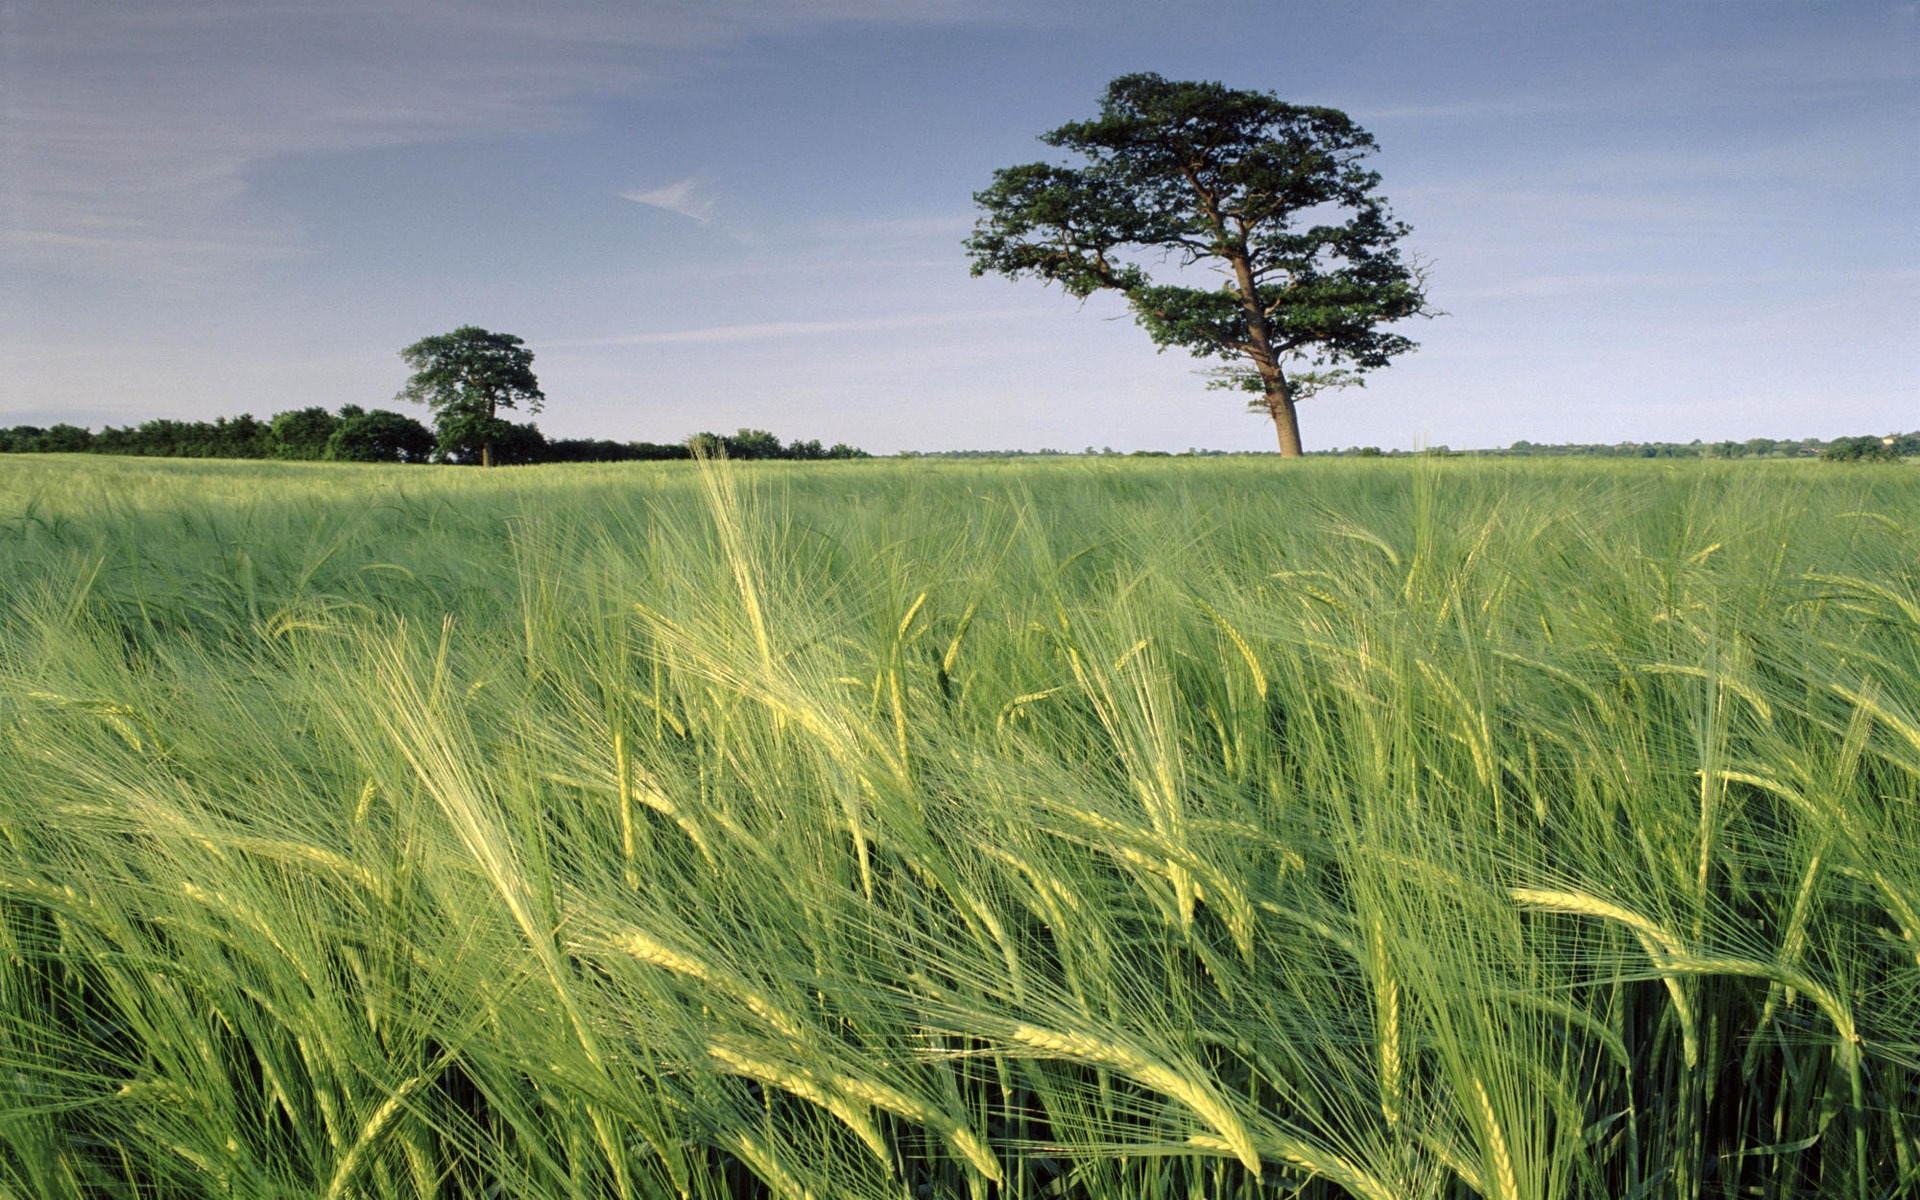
(1043, 830)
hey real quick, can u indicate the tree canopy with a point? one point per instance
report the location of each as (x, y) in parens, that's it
(302, 433)
(1273, 196)
(466, 377)
(378, 436)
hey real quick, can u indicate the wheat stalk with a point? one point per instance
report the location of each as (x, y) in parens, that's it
(1509, 1188)
(798, 1082)
(1188, 1091)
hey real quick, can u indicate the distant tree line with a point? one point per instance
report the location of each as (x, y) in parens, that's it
(1845, 449)
(355, 434)
(1870, 448)
(1891, 446)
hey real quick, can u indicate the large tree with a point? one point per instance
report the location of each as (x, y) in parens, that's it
(1272, 196)
(466, 377)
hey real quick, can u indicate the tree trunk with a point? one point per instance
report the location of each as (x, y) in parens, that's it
(486, 454)
(1279, 400)
(1285, 421)
(1265, 360)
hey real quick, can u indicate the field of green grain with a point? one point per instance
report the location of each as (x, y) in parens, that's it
(1074, 830)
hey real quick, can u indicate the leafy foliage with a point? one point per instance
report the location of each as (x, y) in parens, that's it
(378, 436)
(243, 436)
(63, 439)
(1862, 449)
(490, 441)
(302, 433)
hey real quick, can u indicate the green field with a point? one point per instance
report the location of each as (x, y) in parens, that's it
(1069, 830)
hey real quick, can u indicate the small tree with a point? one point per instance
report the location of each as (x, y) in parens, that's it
(466, 377)
(753, 443)
(378, 436)
(1272, 195)
(302, 433)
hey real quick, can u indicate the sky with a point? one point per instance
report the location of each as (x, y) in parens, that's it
(1645, 221)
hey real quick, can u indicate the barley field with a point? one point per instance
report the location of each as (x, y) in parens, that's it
(1073, 830)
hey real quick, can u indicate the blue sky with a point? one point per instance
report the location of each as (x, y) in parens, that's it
(1647, 221)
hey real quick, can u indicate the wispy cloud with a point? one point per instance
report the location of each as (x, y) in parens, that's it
(128, 132)
(769, 330)
(687, 197)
